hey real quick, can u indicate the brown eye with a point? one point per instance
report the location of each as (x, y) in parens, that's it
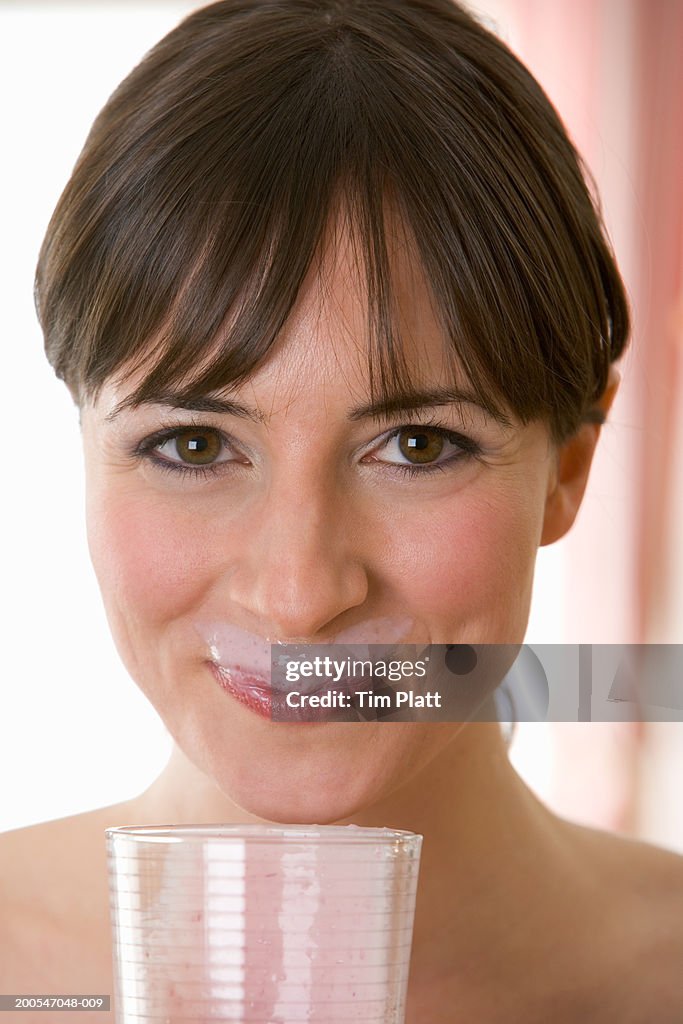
(420, 444)
(197, 447)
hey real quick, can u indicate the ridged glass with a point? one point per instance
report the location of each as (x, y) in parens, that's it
(271, 924)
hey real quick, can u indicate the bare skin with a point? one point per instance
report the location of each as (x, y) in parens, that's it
(521, 917)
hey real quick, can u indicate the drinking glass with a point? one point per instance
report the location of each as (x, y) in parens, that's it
(270, 923)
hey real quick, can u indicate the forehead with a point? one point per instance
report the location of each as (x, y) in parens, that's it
(327, 334)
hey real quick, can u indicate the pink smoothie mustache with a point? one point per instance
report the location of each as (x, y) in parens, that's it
(241, 661)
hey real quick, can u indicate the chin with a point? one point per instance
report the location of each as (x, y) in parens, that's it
(305, 773)
(316, 794)
(298, 809)
(341, 773)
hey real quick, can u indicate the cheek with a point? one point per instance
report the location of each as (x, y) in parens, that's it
(471, 563)
(150, 559)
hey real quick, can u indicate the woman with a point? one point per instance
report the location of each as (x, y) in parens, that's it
(341, 320)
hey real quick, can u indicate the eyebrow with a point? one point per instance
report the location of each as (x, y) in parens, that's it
(383, 409)
(222, 406)
(414, 401)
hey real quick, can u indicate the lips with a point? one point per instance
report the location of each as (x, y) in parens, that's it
(241, 664)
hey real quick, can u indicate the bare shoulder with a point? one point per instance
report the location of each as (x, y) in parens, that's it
(54, 905)
(45, 858)
(642, 896)
(644, 871)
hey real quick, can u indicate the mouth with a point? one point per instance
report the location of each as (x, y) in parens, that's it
(245, 659)
(243, 665)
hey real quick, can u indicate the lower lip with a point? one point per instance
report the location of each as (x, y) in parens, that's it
(255, 693)
(249, 690)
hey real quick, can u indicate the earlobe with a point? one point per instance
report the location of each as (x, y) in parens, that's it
(572, 467)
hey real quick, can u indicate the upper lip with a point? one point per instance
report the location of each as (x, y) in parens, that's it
(232, 646)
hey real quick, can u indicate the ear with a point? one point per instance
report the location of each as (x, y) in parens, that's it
(573, 462)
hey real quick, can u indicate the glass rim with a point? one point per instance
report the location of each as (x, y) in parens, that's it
(271, 833)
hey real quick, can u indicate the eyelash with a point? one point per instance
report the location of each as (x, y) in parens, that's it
(469, 449)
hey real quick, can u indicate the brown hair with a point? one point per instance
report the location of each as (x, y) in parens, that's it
(208, 178)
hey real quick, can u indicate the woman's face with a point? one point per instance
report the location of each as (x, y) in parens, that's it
(309, 517)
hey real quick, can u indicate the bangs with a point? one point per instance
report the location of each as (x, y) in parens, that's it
(214, 339)
(212, 175)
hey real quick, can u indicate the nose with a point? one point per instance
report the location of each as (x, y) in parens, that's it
(300, 566)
